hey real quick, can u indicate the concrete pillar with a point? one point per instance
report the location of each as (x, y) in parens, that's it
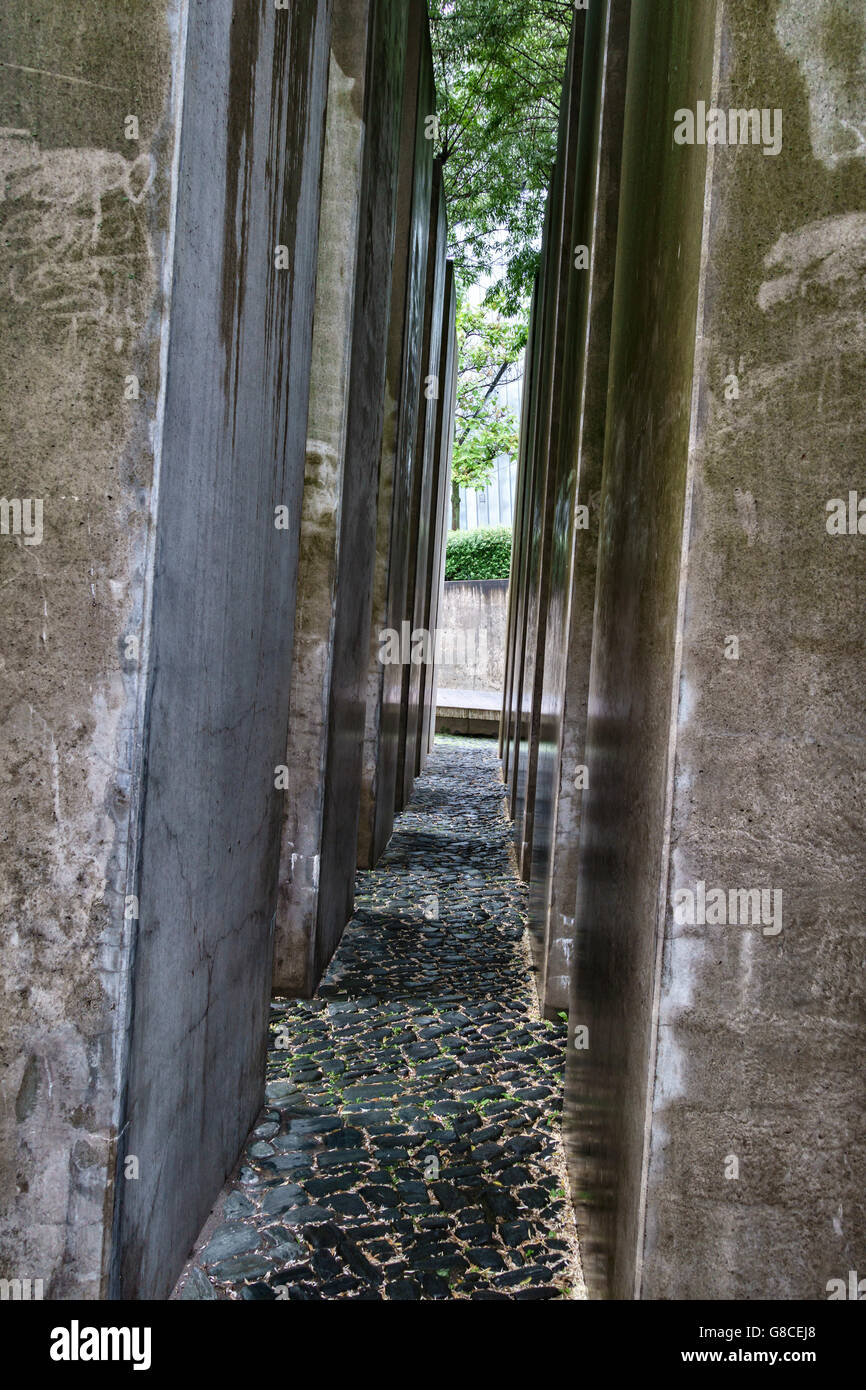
(160, 206)
(403, 395)
(513, 641)
(367, 413)
(224, 595)
(554, 472)
(543, 469)
(358, 183)
(441, 521)
(713, 1100)
(561, 767)
(421, 499)
(527, 485)
(86, 208)
(623, 822)
(529, 479)
(543, 360)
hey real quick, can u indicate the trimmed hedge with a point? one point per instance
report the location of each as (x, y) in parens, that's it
(481, 554)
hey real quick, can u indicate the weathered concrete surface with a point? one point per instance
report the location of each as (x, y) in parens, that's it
(545, 482)
(389, 789)
(223, 615)
(441, 492)
(526, 548)
(623, 821)
(402, 400)
(513, 628)
(342, 189)
(533, 462)
(522, 543)
(715, 1111)
(368, 404)
(555, 475)
(761, 1037)
(560, 776)
(472, 626)
(84, 268)
(160, 203)
(421, 517)
(558, 520)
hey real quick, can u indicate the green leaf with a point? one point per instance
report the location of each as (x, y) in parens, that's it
(481, 554)
(499, 68)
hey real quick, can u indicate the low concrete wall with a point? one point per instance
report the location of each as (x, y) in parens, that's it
(472, 624)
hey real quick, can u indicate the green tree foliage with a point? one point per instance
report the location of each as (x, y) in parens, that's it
(481, 554)
(499, 67)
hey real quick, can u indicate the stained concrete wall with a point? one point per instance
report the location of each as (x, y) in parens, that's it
(86, 220)
(439, 525)
(551, 497)
(561, 762)
(306, 750)
(386, 302)
(424, 473)
(403, 396)
(144, 292)
(623, 824)
(760, 1031)
(545, 475)
(708, 675)
(338, 536)
(561, 532)
(381, 234)
(472, 634)
(514, 723)
(223, 615)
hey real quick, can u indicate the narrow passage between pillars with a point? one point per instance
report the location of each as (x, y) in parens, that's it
(410, 1145)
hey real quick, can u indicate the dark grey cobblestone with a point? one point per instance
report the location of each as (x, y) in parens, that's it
(409, 1147)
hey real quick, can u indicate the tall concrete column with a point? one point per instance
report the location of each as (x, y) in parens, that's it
(90, 110)
(561, 768)
(441, 518)
(366, 424)
(555, 475)
(508, 719)
(538, 450)
(567, 334)
(715, 1098)
(520, 569)
(529, 554)
(228, 524)
(403, 395)
(160, 208)
(359, 151)
(421, 499)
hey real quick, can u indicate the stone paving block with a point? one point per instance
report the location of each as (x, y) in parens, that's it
(409, 1184)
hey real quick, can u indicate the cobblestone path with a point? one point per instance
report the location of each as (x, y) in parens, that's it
(409, 1147)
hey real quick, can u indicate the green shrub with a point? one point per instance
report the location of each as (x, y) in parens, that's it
(481, 554)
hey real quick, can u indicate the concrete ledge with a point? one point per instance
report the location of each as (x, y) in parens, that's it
(473, 712)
